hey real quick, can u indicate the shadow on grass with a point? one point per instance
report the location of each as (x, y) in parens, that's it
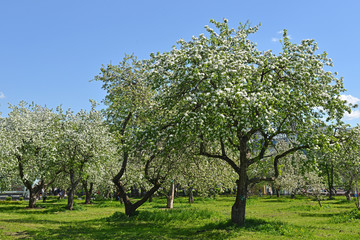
(31, 220)
(329, 215)
(342, 201)
(11, 208)
(41, 208)
(276, 200)
(121, 230)
(275, 228)
(164, 215)
(163, 206)
(167, 224)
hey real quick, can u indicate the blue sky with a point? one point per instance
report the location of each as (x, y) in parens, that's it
(50, 50)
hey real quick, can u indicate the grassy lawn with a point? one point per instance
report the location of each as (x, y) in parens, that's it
(267, 218)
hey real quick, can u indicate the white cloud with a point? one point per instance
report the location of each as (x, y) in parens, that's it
(2, 95)
(355, 114)
(275, 39)
(350, 99)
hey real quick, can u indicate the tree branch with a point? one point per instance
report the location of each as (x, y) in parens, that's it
(276, 161)
(223, 157)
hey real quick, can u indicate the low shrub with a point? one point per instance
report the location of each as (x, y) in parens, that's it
(21, 198)
(8, 198)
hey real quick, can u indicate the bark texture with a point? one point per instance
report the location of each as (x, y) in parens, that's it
(170, 197)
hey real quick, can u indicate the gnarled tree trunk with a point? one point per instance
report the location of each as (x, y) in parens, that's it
(130, 207)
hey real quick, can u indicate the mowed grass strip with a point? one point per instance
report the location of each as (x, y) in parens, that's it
(207, 218)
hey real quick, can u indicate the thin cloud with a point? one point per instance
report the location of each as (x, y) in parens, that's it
(2, 95)
(277, 39)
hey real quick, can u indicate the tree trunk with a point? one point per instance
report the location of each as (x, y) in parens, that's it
(32, 199)
(319, 201)
(130, 208)
(71, 193)
(191, 195)
(348, 189)
(348, 195)
(88, 191)
(44, 196)
(278, 191)
(70, 204)
(330, 178)
(170, 197)
(88, 194)
(238, 209)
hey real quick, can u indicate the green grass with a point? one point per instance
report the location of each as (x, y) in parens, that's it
(266, 218)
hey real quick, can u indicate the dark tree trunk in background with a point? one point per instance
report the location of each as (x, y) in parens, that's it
(191, 195)
(348, 195)
(330, 179)
(348, 189)
(44, 196)
(292, 195)
(88, 191)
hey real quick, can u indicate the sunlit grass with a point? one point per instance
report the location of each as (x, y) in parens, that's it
(207, 218)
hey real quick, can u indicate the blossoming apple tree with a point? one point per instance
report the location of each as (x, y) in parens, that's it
(128, 98)
(219, 90)
(29, 146)
(84, 146)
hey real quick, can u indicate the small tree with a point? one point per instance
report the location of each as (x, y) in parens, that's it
(316, 183)
(127, 100)
(85, 144)
(30, 146)
(292, 169)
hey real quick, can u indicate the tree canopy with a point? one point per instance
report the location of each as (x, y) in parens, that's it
(235, 101)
